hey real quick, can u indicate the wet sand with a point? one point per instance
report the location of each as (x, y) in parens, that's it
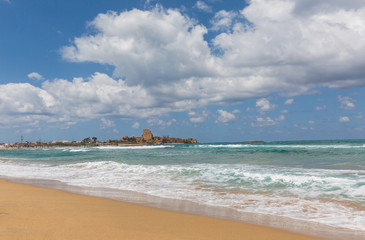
(30, 212)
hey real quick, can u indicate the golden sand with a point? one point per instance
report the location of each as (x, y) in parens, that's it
(29, 212)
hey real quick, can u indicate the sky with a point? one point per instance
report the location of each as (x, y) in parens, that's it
(214, 70)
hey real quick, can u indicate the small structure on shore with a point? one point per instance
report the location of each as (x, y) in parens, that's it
(147, 135)
(148, 138)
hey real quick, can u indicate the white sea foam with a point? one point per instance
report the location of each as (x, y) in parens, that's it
(79, 150)
(299, 194)
(316, 146)
(88, 149)
(334, 146)
(225, 146)
(137, 147)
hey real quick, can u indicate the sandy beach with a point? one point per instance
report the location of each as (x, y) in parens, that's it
(30, 212)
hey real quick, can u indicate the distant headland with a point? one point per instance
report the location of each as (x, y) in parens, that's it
(147, 138)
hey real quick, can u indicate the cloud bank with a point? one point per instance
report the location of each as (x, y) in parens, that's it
(163, 62)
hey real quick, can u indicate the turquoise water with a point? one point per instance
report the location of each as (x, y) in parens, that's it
(318, 181)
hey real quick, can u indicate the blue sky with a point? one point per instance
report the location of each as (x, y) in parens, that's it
(209, 69)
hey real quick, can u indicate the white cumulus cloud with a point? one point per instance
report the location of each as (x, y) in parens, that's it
(201, 5)
(148, 47)
(161, 123)
(344, 119)
(105, 123)
(264, 105)
(263, 122)
(346, 102)
(289, 44)
(289, 101)
(164, 63)
(63, 101)
(225, 117)
(166, 52)
(223, 20)
(35, 76)
(198, 117)
(24, 103)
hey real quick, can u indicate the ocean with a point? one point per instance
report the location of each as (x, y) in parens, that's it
(321, 182)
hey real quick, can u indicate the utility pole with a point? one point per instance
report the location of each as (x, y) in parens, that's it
(21, 139)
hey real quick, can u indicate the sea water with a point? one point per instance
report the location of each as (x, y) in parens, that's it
(318, 181)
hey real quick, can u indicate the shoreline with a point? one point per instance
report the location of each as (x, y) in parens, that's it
(302, 228)
(31, 212)
(90, 145)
